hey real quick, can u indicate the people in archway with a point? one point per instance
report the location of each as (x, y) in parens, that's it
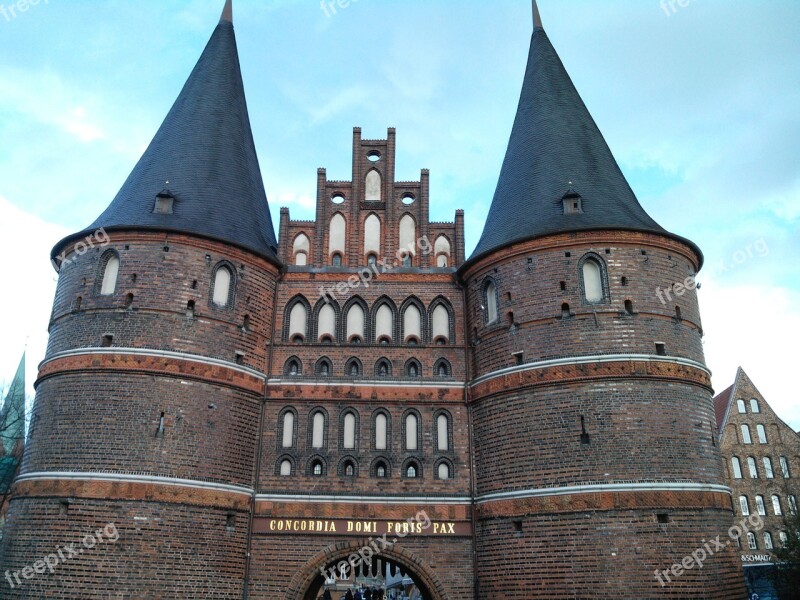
(349, 595)
(368, 594)
(327, 595)
(359, 595)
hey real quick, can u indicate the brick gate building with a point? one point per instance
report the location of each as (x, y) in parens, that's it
(253, 411)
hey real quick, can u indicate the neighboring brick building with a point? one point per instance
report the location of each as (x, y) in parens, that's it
(762, 462)
(251, 410)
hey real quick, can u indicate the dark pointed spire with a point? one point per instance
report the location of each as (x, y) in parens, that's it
(205, 150)
(556, 146)
(227, 12)
(537, 18)
(12, 412)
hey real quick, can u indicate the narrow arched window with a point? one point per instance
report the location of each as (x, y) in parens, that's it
(288, 429)
(222, 286)
(349, 433)
(768, 471)
(444, 471)
(317, 468)
(793, 504)
(751, 541)
(355, 323)
(318, 431)
(442, 368)
(746, 437)
(372, 187)
(326, 323)
(768, 541)
(298, 322)
(384, 324)
(381, 470)
(744, 506)
(412, 432)
(784, 537)
(440, 325)
(301, 249)
(441, 249)
(293, 368)
(760, 506)
(412, 471)
(592, 281)
(381, 429)
(443, 433)
(412, 324)
(736, 467)
(286, 468)
(349, 469)
(337, 234)
(110, 275)
(762, 434)
(751, 466)
(776, 505)
(408, 236)
(353, 368)
(490, 301)
(740, 405)
(372, 236)
(383, 368)
(754, 408)
(785, 467)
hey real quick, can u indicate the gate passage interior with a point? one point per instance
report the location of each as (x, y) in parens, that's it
(390, 575)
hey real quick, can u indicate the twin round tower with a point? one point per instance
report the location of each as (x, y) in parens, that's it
(531, 421)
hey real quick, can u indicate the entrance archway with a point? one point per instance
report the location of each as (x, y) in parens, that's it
(309, 582)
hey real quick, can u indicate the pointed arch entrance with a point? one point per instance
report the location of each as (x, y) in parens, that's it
(309, 582)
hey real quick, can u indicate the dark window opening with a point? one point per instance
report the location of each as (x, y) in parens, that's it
(629, 307)
(565, 313)
(190, 309)
(661, 349)
(584, 434)
(563, 285)
(240, 358)
(624, 281)
(678, 313)
(519, 357)
(129, 300)
(662, 518)
(246, 323)
(107, 341)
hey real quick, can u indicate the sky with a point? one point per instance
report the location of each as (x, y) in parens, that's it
(699, 103)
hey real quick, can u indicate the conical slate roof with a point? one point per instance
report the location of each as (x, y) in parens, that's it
(204, 156)
(556, 148)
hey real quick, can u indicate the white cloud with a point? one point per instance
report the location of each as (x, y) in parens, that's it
(25, 243)
(756, 328)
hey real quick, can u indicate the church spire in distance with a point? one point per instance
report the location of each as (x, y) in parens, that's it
(537, 18)
(227, 12)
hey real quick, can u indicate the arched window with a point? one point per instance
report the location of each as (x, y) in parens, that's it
(381, 431)
(301, 249)
(349, 431)
(490, 301)
(784, 537)
(736, 467)
(298, 322)
(336, 261)
(776, 505)
(110, 274)
(440, 324)
(441, 248)
(751, 466)
(412, 432)
(349, 469)
(751, 541)
(768, 472)
(293, 367)
(412, 470)
(785, 467)
(353, 368)
(443, 470)
(746, 438)
(223, 278)
(442, 368)
(760, 507)
(384, 324)
(762, 434)
(741, 406)
(592, 281)
(337, 235)
(413, 368)
(326, 324)
(288, 429)
(744, 506)
(323, 367)
(355, 323)
(443, 433)
(412, 324)
(381, 470)
(408, 235)
(768, 541)
(372, 235)
(318, 430)
(754, 408)
(372, 187)
(793, 505)
(383, 368)
(286, 468)
(317, 468)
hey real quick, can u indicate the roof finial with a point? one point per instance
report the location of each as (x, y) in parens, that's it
(537, 18)
(227, 12)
